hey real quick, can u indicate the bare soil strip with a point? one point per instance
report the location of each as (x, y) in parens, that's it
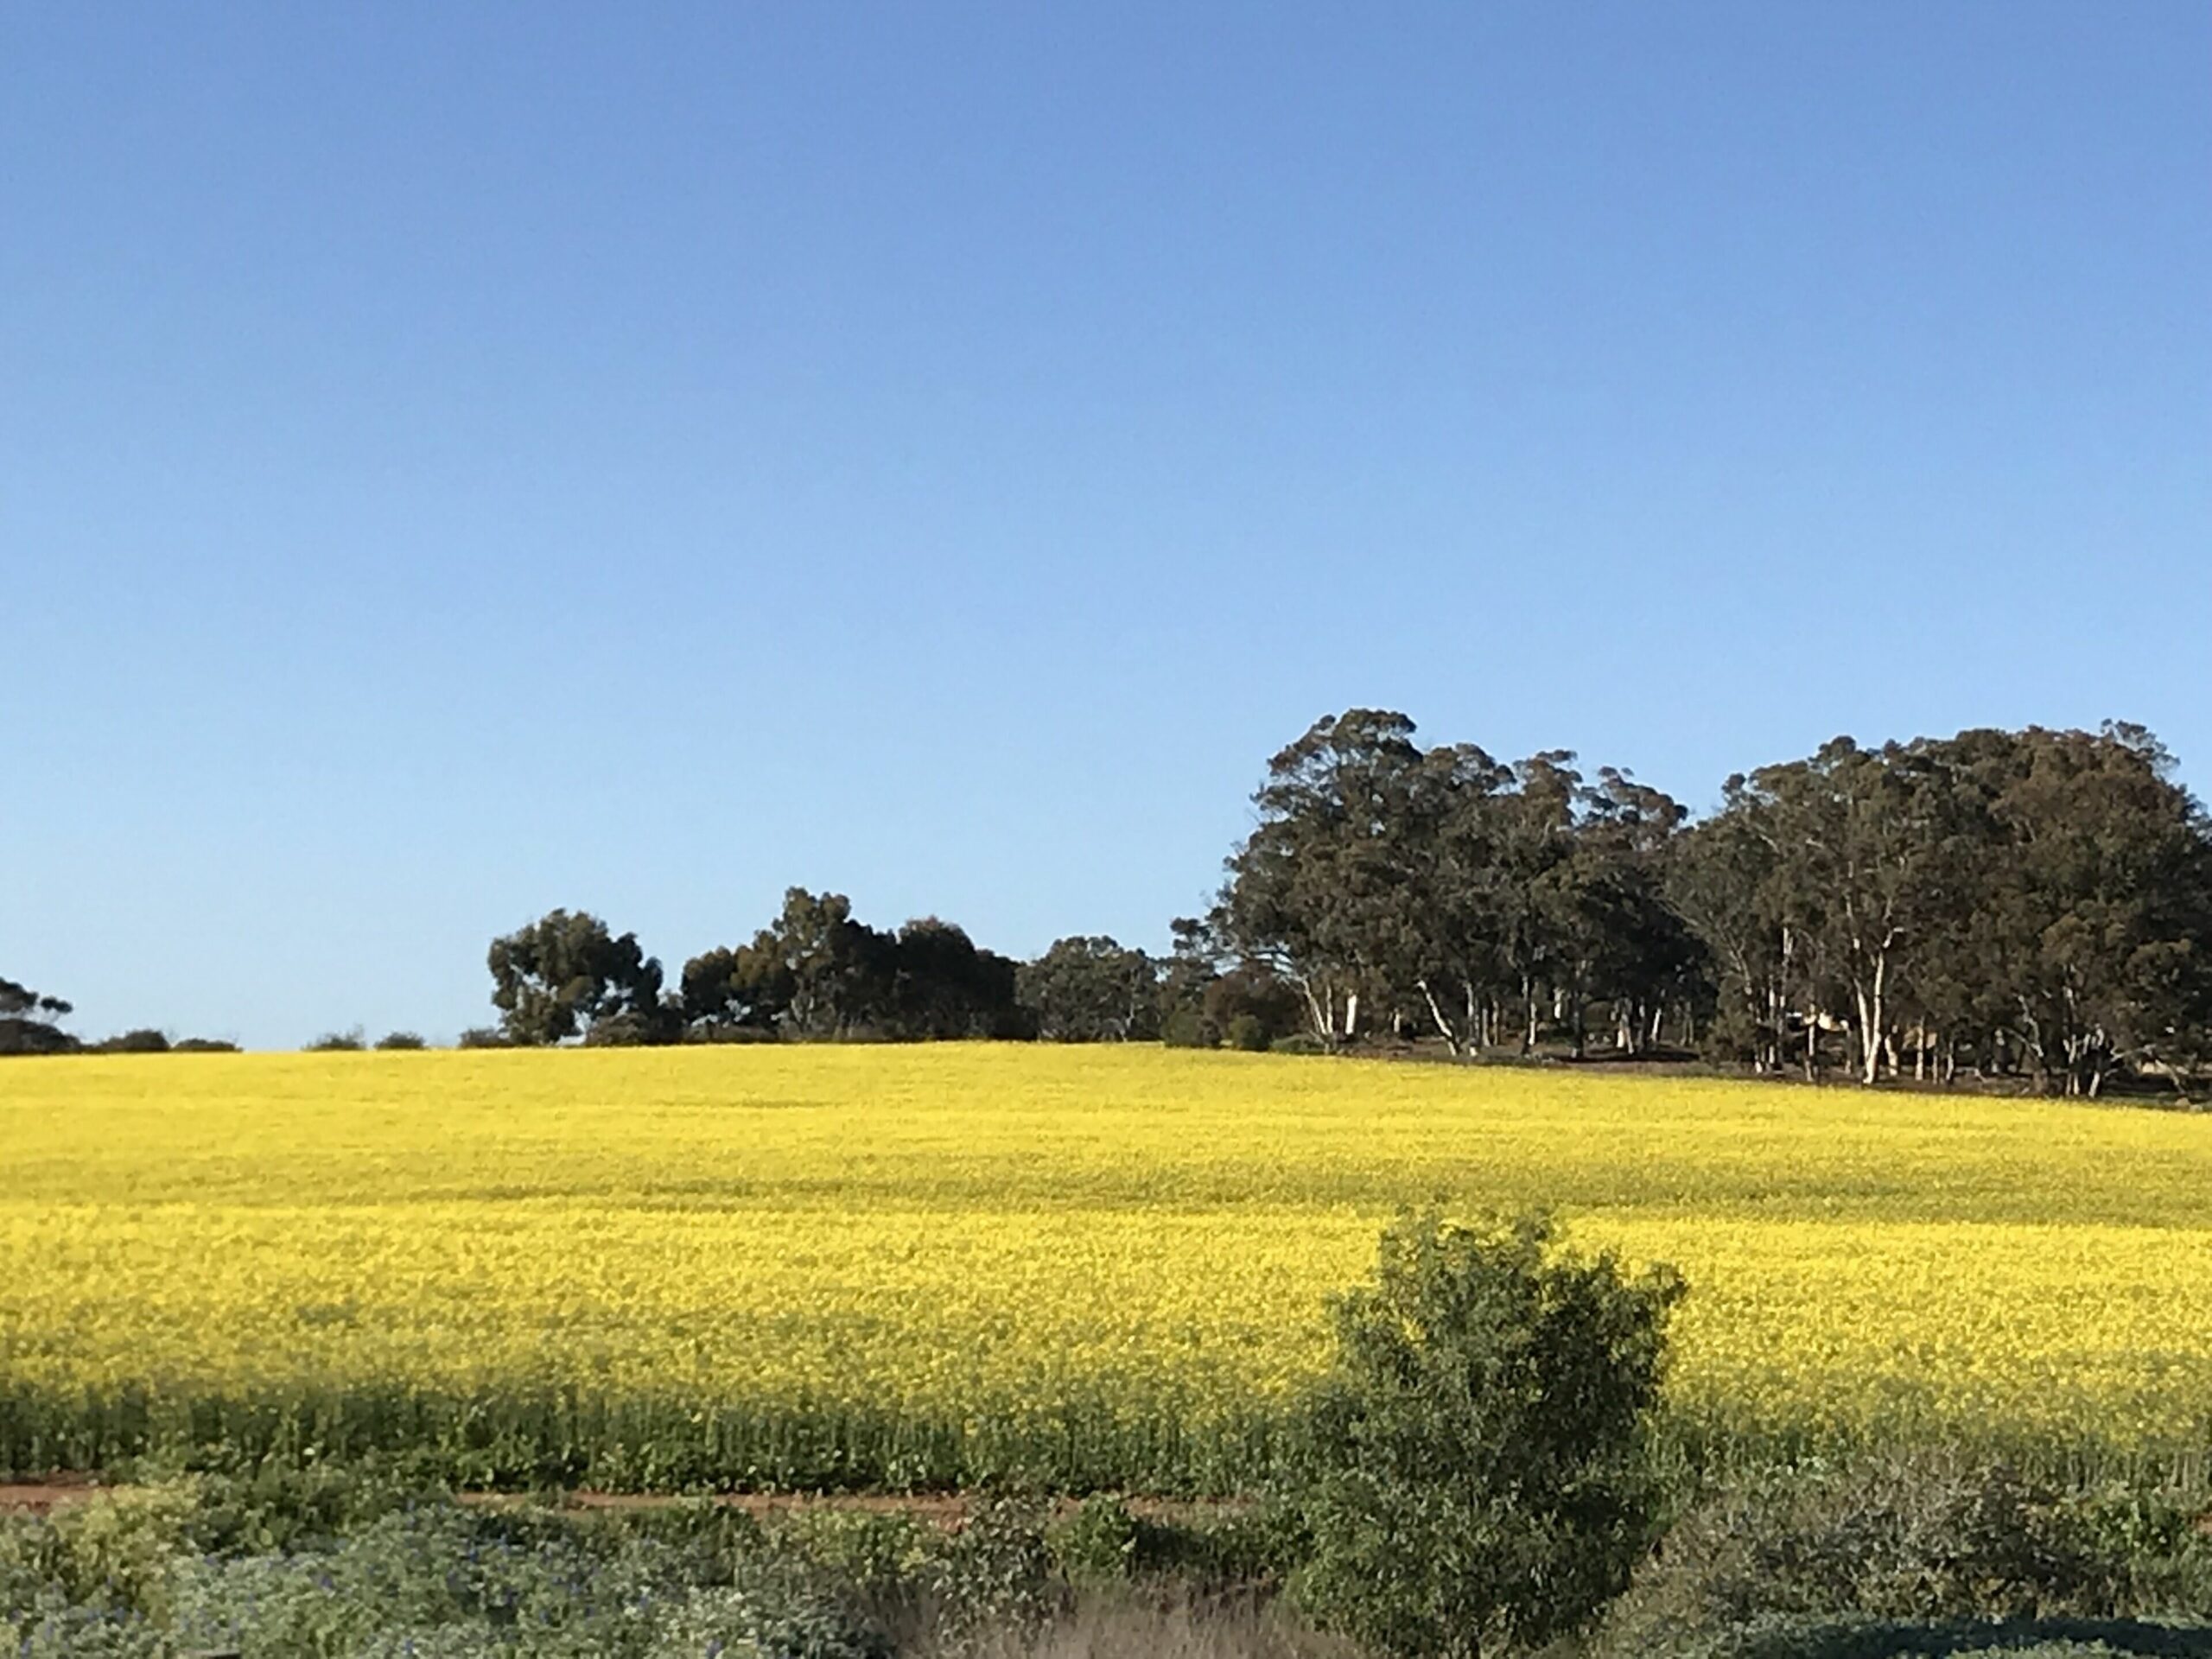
(947, 1510)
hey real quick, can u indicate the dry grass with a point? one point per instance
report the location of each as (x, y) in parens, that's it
(1129, 1625)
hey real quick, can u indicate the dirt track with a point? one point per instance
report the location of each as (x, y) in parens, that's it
(942, 1510)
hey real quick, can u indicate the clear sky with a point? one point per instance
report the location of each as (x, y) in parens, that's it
(456, 460)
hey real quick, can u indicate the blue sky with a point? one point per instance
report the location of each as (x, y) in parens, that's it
(459, 461)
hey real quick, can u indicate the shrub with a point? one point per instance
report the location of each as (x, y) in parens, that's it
(879, 1557)
(1805, 1559)
(1250, 1032)
(144, 1041)
(728, 1032)
(484, 1037)
(1188, 1028)
(1298, 1042)
(1095, 1544)
(20, 1035)
(203, 1046)
(336, 1042)
(995, 1573)
(1479, 1471)
(630, 1029)
(405, 1040)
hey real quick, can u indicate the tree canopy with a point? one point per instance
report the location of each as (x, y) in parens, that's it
(2033, 903)
(567, 975)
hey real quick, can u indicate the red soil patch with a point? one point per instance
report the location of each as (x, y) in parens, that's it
(42, 1497)
(947, 1510)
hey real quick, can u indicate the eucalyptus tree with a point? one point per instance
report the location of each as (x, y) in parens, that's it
(1631, 946)
(30, 1021)
(565, 973)
(1091, 990)
(1455, 901)
(1319, 892)
(814, 971)
(943, 986)
(2099, 913)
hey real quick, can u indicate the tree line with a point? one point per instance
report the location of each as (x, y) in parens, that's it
(2033, 905)
(2027, 904)
(31, 1023)
(818, 973)
(2030, 904)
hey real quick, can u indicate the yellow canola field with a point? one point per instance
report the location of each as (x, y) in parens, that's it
(924, 1263)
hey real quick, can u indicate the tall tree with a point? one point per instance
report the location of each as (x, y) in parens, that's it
(2101, 909)
(944, 987)
(1091, 990)
(838, 973)
(1454, 905)
(1318, 891)
(748, 987)
(1725, 881)
(29, 1021)
(565, 973)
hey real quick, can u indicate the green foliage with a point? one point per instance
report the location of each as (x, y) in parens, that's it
(1251, 999)
(401, 1039)
(1480, 1470)
(143, 1040)
(730, 1035)
(818, 973)
(1874, 1563)
(563, 974)
(2031, 903)
(1091, 990)
(26, 1021)
(995, 1573)
(1908, 1554)
(301, 1568)
(1096, 1542)
(1248, 1031)
(1188, 1027)
(334, 1042)
(878, 1556)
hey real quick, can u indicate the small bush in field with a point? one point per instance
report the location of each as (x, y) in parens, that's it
(1480, 1470)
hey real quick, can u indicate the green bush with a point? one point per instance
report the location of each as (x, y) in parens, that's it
(727, 1033)
(995, 1573)
(285, 1561)
(1096, 1543)
(1245, 1547)
(1188, 1028)
(401, 1039)
(879, 1557)
(1480, 1472)
(1815, 1561)
(1248, 1031)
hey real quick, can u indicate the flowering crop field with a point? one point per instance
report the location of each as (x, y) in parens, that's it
(909, 1266)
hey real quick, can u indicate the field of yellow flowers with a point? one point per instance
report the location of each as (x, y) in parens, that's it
(1094, 1266)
